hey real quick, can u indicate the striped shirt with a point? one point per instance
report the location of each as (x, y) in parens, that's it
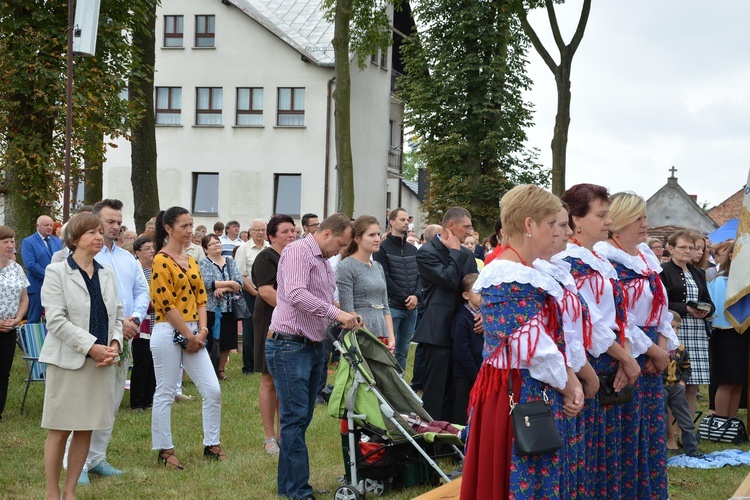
(304, 298)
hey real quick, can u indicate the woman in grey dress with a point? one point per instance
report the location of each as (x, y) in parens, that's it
(361, 281)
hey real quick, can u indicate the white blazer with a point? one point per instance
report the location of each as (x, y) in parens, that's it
(67, 307)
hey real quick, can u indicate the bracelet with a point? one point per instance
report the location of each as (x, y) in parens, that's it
(203, 328)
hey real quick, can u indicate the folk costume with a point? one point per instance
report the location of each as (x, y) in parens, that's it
(521, 318)
(647, 303)
(578, 329)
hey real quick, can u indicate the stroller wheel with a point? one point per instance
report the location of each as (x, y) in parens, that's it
(375, 487)
(348, 493)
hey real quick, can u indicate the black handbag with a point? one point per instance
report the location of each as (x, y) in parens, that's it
(534, 426)
(607, 394)
(239, 307)
(722, 429)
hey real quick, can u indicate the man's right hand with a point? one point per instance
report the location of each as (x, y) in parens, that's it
(411, 302)
(451, 241)
(349, 321)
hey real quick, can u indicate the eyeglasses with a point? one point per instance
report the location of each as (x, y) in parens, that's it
(313, 225)
(684, 248)
(258, 230)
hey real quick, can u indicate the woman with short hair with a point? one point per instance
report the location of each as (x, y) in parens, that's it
(14, 301)
(223, 282)
(84, 339)
(521, 319)
(686, 283)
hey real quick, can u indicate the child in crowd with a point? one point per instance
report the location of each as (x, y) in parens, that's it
(675, 378)
(467, 350)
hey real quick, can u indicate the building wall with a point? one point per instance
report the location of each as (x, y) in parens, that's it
(671, 207)
(247, 158)
(727, 209)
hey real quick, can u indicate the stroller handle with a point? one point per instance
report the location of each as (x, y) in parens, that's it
(334, 329)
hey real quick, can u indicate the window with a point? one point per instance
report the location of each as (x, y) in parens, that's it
(249, 106)
(287, 194)
(173, 30)
(374, 57)
(205, 31)
(205, 193)
(384, 58)
(208, 101)
(291, 108)
(168, 105)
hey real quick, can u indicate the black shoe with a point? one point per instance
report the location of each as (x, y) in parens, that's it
(210, 454)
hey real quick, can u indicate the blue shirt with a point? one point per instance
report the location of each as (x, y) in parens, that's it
(131, 285)
(718, 291)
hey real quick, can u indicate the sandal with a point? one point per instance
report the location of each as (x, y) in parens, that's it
(271, 446)
(164, 458)
(212, 453)
(222, 375)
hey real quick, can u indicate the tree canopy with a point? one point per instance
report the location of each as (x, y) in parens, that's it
(465, 74)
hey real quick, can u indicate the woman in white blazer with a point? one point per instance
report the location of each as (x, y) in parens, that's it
(84, 323)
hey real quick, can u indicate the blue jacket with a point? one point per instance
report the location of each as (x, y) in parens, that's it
(36, 257)
(467, 345)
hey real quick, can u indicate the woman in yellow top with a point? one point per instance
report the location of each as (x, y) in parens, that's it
(179, 336)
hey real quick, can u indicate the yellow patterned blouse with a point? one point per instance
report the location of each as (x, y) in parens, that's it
(173, 287)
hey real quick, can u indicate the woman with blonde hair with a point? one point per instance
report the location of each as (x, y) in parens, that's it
(361, 281)
(523, 343)
(638, 270)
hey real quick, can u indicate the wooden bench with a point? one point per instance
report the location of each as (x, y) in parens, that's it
(744, 490)
(447, 491)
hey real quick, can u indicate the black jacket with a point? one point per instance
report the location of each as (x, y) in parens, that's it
(441, 271)
(467, 346)
(674, 281)
(399, 261)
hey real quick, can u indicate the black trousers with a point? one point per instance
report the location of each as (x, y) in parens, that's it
(142, 377)
(438, 368)
(7, 351)
(248, 342)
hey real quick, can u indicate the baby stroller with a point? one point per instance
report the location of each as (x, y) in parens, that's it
(377, 409)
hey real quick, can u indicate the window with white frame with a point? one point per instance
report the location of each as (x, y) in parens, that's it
(205, 193)
(287, 194)
(205, 31)
(174, 29)
(208, 105)
(168, 105)
(249, 106)
(291, 107)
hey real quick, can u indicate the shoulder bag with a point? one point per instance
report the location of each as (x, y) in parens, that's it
(722, 429)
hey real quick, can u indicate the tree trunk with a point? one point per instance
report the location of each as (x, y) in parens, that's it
(93, 175)
(560, 137)
(342, 114)
(143, 144)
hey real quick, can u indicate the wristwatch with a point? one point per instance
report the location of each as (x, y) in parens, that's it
(136, 321)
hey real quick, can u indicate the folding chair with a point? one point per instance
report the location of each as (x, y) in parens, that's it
(31, 337)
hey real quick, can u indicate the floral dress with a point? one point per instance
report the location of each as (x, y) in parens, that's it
(647, 303)
(521, 317)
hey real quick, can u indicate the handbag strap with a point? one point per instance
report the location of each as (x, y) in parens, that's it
(511, 402)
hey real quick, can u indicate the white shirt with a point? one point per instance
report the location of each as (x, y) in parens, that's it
(246, 255)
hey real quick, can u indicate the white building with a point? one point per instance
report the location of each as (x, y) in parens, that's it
(245, 124)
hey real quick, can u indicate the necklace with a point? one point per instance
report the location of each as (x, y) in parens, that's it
(517, 254)
(589, 249)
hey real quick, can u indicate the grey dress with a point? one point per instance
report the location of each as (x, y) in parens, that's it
(362, 289)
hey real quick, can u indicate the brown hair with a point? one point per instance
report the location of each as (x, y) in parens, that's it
(468, 281)
(6, 232)
(206, 240)
(455, 214)
(685, 234)
(77, 227)
(579, 198)
(725, 266)
(336, 223)
(361, 225)
(394, 213)
(703, 263)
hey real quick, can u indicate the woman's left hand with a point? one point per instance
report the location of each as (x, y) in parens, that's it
(391, 343)
(6, 325)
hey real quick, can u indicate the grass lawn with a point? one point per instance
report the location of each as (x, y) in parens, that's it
(249, 473)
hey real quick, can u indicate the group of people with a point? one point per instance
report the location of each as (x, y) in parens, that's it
(570, 301)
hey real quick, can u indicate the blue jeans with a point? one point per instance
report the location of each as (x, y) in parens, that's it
(296, 370)
(403, 328)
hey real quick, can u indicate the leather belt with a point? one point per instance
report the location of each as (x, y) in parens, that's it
(291, 338)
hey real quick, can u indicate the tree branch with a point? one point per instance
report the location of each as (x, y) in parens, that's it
(554, 25)
(537, 43)
(578, 35)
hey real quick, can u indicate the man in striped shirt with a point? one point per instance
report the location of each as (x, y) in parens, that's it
(304, 309)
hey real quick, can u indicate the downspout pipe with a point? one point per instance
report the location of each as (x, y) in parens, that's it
(328, 146)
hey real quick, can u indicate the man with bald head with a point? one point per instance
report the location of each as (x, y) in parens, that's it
(36, 252)
(245, 257)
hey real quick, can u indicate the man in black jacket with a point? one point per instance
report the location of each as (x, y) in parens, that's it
(399, 261)
(442, 263)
